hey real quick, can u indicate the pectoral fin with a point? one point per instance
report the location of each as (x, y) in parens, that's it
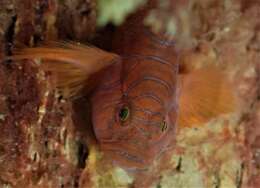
(72, 63)
(205, 94)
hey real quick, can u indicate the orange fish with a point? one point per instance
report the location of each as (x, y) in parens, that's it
(141, 98)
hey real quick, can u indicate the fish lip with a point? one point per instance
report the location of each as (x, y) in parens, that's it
(126, 158)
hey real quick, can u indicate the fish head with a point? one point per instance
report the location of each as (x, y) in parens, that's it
(132, 133)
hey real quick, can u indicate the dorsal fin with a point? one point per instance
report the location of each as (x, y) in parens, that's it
(72, 63)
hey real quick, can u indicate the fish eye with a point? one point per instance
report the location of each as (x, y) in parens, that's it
(164, 126)
(124, 113)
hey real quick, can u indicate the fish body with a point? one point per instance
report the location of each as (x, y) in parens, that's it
(141, 99)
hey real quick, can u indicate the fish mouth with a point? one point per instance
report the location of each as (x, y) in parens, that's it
(127, 156)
